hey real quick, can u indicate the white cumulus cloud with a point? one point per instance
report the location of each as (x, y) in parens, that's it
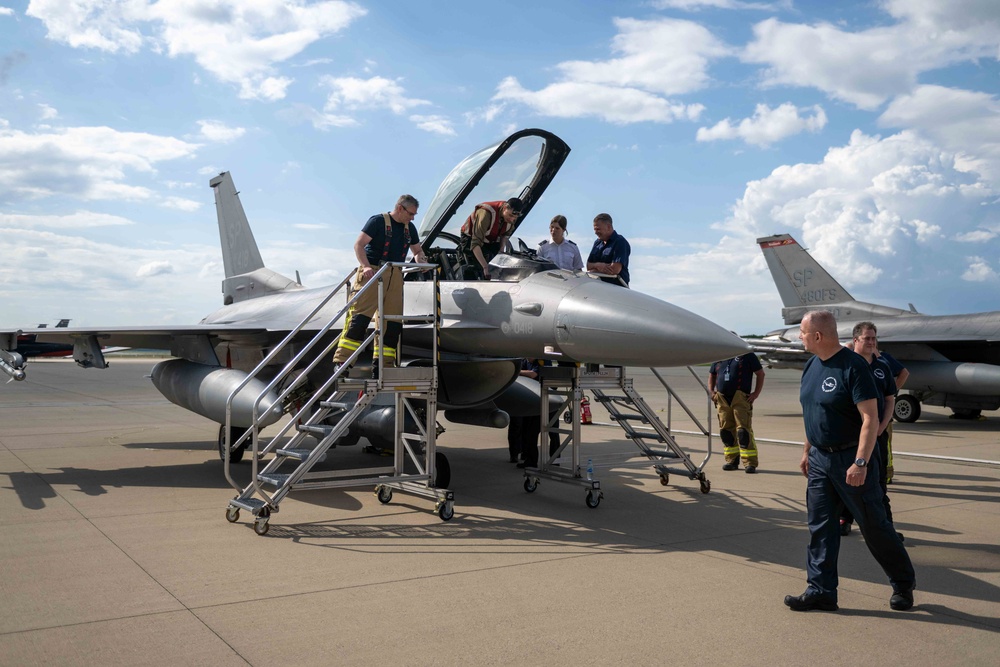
(766, 126)
(353, 93)
(979, 271)
(655, 58)
(157, 268)
(214, 130)
(240, 43)
(84, 162)
(77, 220)
(572, 99)
(962, 121)
(435, 124)
(868, 67)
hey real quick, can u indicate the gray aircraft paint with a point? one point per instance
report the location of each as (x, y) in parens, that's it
(954, 360)
(571, 314)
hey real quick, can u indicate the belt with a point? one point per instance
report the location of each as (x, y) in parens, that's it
(837, 448)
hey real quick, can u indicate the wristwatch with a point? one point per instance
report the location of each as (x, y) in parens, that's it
(861, 462)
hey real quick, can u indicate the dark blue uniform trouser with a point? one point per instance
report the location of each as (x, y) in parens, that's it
(881, 454)
(826, 491)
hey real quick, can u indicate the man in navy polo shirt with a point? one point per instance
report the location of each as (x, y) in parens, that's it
(840, 411)
(610, 252)
(866, 344)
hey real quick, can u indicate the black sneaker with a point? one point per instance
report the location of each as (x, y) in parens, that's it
(810, 602)
(901, 600)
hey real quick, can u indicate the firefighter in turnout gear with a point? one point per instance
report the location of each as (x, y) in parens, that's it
(486, 231)
(729, 384)
(386, 237)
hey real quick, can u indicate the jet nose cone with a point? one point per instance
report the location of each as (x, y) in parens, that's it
(602, 323)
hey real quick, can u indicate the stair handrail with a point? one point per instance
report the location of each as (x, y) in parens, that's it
(254, 431)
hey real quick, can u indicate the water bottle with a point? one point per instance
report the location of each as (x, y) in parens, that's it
(590, 469)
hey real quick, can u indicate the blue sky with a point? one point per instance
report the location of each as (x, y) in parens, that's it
(870, 131)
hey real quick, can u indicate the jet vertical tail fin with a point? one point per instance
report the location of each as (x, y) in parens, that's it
(805, 285)
(246, 275)
(239, 248)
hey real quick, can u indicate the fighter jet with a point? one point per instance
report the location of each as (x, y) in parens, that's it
(953, 360)
(28, 345)
(530, 309)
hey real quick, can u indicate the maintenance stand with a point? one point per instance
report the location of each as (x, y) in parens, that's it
(627, 408)
(327, 413)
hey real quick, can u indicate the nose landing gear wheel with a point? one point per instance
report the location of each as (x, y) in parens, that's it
(235, 433)
(907, 409)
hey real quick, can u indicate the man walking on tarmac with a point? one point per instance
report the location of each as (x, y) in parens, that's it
(729, 384)
(840, 411)
(866, 344)
(386, 237)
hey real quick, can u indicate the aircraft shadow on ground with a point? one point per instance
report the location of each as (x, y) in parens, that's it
(758, 526)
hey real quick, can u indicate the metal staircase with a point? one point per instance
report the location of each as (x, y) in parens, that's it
(653, 438)
(321, 417)
(628, 409)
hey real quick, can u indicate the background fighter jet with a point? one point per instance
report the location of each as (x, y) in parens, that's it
(28, 345)
(954, 360)
(530, 310)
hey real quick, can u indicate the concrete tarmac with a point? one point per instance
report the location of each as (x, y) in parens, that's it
(114, 548)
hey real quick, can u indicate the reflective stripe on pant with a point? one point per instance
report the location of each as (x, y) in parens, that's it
(735, 425)
(365, 308)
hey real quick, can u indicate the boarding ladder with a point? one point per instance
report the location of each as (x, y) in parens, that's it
(613, 389)
(326, 414)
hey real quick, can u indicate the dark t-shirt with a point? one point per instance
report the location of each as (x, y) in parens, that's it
(884, 381)
(375, 228)
(735, 374)
(829, 393)
(894, 364)
(615, 250)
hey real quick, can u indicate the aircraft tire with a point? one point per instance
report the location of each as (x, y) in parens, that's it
(907, 409)
(442, 469)
(235, 433)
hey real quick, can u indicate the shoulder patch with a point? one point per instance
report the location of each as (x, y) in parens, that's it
(570, 242)
(541, 243)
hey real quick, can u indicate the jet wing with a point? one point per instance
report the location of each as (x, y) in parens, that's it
(156, 338)
(933, 338)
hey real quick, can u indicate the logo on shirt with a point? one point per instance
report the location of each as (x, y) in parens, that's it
(879, 374)
(829, 384)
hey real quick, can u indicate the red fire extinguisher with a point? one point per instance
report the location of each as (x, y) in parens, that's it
(585, 416)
